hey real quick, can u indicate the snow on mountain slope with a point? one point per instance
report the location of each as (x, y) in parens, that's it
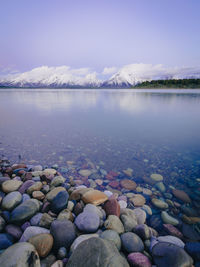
(62, 76)
(133, 74)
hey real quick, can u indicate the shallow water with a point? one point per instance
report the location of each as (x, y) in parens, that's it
(146, 130)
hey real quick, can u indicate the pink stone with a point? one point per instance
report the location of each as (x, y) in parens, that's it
(114, 184)
(138, 259)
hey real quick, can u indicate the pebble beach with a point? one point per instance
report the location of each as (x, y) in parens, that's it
(88, 216)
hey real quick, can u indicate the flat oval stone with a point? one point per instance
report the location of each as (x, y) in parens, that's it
(138, 200)
(94, 197)
(20, 254)
(172, 230)
(25, 186)
(11, 200)
(24, 211)
(156, 177)
(128, 184)
(58, 180)
(168, 219)
(38, 195)
(85, 172)
(43, 243)
(11, 185)
(172, 240)
(87, 222)
(131, 242)
(159, 203)
(180, 194)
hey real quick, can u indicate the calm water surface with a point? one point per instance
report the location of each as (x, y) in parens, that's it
(146, 130)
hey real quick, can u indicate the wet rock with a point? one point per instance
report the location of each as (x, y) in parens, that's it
(172, 240)
(85, 172)
(11, 200)
(190, 233)
(35, 187)
(156, 222)
(143, 231)
(114, 184)
(94, 197)
(78, 208)
(49, 172)
(11, 185)
(57, 181)
(181, 195)
(80, 239)
(6, 240)
(128, 184)
(96, 252)
(14, 230)
(112, 236)
(172, 230)
(160, 186)
(190, 220)
(137, 259)
(128, 219)
(63, 233)
(32, 231)
(114, 223)
(112, 207)
(48, 261)
(122, 204)
(24, 211)
(60, 202)
(87, 222)
(62, 252)
(159, 203)
(166, 254)
(140, 215)
(43, 243)
(53, 193)
(168, 219)
(95, 209)
(138, 200)
(38, 195)
(131, 242)
(20, 254)
(193, 249)
(46, 221)
(156, 177)
(66, 215)
(35, 220)
(25, 186)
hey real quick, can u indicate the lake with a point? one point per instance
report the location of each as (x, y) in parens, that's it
(149, 131)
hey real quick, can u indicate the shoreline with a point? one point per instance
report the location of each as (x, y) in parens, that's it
(69, 218)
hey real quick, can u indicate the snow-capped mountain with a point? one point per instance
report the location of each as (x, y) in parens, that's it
(60, 77)
(66, 77)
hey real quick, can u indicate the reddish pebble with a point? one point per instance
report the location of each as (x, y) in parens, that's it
(112, 207)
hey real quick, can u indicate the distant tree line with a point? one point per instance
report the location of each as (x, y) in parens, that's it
(181, 83)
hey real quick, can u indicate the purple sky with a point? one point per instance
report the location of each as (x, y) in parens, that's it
(98, 33)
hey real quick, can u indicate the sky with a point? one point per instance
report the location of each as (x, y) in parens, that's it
(102, 35)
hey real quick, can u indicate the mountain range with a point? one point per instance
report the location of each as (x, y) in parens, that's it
(65, 77)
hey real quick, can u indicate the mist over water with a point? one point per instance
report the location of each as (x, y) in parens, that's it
(154, 130)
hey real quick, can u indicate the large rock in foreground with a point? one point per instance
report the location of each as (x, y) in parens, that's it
(96, 252)
(166, 254)
(20, 255)
(25, 211)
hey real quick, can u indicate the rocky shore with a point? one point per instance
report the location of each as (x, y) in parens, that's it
(87, 216)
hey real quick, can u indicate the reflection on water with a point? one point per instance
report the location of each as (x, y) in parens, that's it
(145, 130)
